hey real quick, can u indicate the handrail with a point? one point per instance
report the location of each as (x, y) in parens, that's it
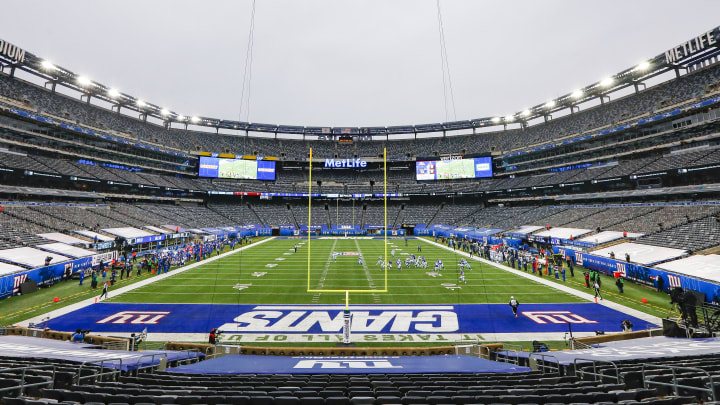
(101, 373)
(544, 364)
(507, 348)
(152, 361)
(674, 384)
(595, 373)
(24, 369)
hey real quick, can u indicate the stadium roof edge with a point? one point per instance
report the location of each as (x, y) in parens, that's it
(679, 57)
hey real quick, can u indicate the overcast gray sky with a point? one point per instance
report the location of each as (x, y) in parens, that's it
(351, 63)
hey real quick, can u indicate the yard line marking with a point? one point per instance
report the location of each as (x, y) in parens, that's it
(321, 282)
(369, 278)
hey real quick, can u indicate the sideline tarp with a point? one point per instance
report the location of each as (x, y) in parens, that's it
(237, 364)
(30, 347)
(644, 348)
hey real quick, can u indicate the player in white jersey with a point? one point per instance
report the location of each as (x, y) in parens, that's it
(399, 264)
(360, 262)
(334, 255)
(464, 264)
(461, 279)
(392, 253)
(380, 261)
(437, 266)
(442, 266)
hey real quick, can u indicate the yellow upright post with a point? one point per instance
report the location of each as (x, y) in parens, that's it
(309, 215)
(385, 203)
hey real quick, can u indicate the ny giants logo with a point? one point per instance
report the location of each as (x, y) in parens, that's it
(579, 258)
(135, 317)
(17, 280)
(674, 281)
(621, 269)
(365, 364)
(557, 317)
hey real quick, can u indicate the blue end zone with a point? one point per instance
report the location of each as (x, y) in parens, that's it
(237, 364)
(309, 319)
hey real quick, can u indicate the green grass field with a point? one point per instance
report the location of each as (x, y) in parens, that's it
(271, 273)
(286, 280)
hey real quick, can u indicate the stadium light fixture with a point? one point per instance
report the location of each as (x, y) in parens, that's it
(643, 66)
(495, 120)
(113, 93)
(550, 104)
(577, 93)
(509, 118)
(526, 113)
(83, 81)
(164, 112)
(180, 117)
(47, 65)
(195, 120)
(140, 103)
(606, 82)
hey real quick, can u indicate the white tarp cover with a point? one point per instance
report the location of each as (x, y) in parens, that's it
(525, 229)
(62, 238)
(607, 236)
(639, 253)
(563, 233)
(157, 230)
(706, 267)
(93, 235)
(6, 269)
(66, 250)
(30, 257)
(128, 232)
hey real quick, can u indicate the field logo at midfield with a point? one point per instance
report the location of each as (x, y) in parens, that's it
(343, 363)
(543, 317)
(135, 317)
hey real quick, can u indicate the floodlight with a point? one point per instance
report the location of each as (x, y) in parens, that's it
(113, 93)
(83, 81)
(643, 66)
(180, 117)
(577, 93)
(509, 118)
(495, 120)
(606, 81)
(141, 103)
(195, 120)
(47, 65)
(164, 112)
(550, 104)
(526, 113)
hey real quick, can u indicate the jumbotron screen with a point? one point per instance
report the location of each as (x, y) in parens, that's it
(236, 168)
(454, 169)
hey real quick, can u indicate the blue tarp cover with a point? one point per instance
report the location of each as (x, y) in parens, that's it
(239, 364)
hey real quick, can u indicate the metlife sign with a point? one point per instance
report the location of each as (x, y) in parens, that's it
(323, 323)
(345, 163)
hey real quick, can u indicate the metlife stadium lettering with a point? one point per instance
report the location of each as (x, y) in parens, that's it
(690, 47)
(345, 163)
(11, 51)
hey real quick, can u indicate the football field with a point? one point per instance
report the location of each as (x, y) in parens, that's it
(267, 294)
(272, 273)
